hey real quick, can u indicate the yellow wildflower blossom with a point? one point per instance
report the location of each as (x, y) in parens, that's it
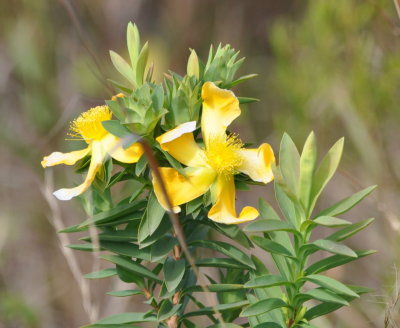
(214, 166)
(88, 126)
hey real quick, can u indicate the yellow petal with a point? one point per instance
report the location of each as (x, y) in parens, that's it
(256, 163)
(113, 146)
(182, 189)
(220, 108)
(95, 164)
(65, 158)
(224, 209)
(180, 144)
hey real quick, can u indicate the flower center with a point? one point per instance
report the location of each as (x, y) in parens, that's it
(88, 125)
(223, 154)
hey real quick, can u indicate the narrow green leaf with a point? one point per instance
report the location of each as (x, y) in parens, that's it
(268, 325)
(127, 249)
(241, 79)
(125, 293)
(219, 307)
(217, 262)
(263, 306)
(325, 296)
(82, 247)
(271, 246)
(174, 271)
(133, 42)
(129, 317)
(167, 310)
(162, 247)
(214, 288)
(326, 170)
(308, 160)
(329, 221)
(266, 210)
(105, 273)
(122, 67)
(227, 249)
(73, 228)
(334, 261)
(322, 309)
(264, 225)
(193, 68)
(131, 266)
(348, 203)
(151, 219)
(350, 230)
(331, 284)
(141, 64)
(334, 248)
(267, 280)
(247, 100)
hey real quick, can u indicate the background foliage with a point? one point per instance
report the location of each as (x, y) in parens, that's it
(328, 66)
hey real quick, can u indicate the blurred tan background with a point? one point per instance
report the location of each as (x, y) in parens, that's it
(328, 66)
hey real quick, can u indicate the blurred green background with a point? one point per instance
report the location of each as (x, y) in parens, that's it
(328, 66)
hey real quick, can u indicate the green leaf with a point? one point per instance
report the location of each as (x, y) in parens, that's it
(265, 225)
(174, 271)
(289, 163)
(161, 231)
(115, 128)
(331, 284)
(271, 246)
(193, 68)
(324, 296)
(133, 42)
(326, 170)
(263, 306)
(124, 293)
(329, 221)
(115, 213)
(167, 310)
(214, 288)
(162, 247)
(227, 249)
(151, 219)
(266, 211)
(334, 248)
(334, 261)
(307, 166)
(322, 309)
(105, 273)
(129, 317)
(73, 228)
(267, 280)
(349, 231)
(220, 263)
(219, 307)
(247, 100)
(141, 64)
(127, 249)
(131, 266)
(348, 203)
(123, 67)
(241, 79)
(82, 247)
(268, 325)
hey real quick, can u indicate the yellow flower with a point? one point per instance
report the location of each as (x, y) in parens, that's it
(100, 142)
(214, 166)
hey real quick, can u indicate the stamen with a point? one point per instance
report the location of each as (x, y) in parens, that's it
(88, 125)
(222, 153)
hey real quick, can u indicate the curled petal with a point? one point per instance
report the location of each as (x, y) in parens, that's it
(65, 158)
(220, 108)
(182, 189)
(256, 163)
(224, 209)
(95, 164)
(180, 143)
(113, 146)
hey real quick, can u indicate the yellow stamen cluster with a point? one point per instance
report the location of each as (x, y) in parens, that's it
(223, 154)
(88, 125)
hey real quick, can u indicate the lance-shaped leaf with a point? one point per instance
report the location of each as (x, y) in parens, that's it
(269, 225)
(131, 266)
(105, 273)
(289, 163)
(326, 170)
(307, 166)
(271, 246)
(219, 307)
(127, 249)
(151, 219)
(167, 310)
(267, 280)
(332, 247)
(227, 249)
(323, 295)
(174, 271)
(329, 221)
(263, 306)
(348, 203)
(349, 231)
(214, 288)
(124, 318)
(123, 67)
(125, 293)
(331, 284)
(221, 263)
